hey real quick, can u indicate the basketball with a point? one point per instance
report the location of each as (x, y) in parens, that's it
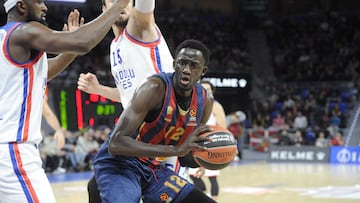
(220, 152)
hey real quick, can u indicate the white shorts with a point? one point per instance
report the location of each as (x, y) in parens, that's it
(174, 164)
(208, 173)
(22, 179)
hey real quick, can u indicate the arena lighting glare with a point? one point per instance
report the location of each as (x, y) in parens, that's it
(67, 1)
(227, 82)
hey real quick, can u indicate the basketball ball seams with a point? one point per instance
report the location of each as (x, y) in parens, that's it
(220, 150)
(218, 154)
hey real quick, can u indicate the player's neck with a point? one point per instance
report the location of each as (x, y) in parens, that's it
(117, 30)
(183, 102)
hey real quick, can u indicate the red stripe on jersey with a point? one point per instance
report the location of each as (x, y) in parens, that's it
(28, 104)
(144, 44)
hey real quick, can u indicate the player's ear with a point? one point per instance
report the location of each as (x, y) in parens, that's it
(21, 7)
(204, 71)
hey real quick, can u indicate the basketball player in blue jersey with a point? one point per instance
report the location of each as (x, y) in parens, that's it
(138, 51)
(164, 118)
(24, 71)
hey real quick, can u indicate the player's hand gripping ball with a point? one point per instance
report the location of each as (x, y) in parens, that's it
(220, 152)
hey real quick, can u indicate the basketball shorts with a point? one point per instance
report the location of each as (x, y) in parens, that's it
(22, 179)
(128, 180)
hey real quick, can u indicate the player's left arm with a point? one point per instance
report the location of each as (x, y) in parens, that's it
(60, 62)
(54, 123)
(219, 113)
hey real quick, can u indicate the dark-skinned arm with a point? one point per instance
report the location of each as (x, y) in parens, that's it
(36, 36)
(141, 104)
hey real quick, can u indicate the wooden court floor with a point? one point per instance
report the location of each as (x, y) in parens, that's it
(262, 182)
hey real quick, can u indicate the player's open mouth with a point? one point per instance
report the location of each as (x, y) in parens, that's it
(185, 80)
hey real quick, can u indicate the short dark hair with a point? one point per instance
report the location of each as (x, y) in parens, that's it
(194, 44)
(210, 84)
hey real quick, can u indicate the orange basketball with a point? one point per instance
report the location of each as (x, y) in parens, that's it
(220, 152)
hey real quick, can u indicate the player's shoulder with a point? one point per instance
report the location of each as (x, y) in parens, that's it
(156, 80)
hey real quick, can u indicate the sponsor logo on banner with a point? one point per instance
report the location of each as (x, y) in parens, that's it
(345, 155)
(298, 154)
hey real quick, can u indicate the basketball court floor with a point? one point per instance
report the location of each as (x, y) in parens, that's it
(255, 182)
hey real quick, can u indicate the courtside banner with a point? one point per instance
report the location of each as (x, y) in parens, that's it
(299, 154)
(345, 155)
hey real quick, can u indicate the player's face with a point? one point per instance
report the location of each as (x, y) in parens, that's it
(124, 14)
(189, 67)
(36, 11)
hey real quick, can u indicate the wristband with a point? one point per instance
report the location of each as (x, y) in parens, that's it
(145, 6)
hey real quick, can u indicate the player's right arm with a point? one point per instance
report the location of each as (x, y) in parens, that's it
(89, 83)
(35, 36)
(142, 103)
(141, 23)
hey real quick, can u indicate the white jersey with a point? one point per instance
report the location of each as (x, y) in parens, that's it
(212, 120)
(22, 88)
(132, 61)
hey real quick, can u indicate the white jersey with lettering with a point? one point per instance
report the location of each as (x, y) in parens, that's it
(132, 61)
(22, 88)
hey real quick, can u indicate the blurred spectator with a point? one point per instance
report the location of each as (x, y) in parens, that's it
(299, 139)
(52, 157)
(101, 133)
(284, 138)
(258, 122)
(278, 121)
(321, 141)
(300, 121)
(337, 140)
(235, 127)
(86, 148)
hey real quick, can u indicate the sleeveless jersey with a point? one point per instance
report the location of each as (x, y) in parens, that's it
(173, 124)
(132, 61)
(212, 120)
(22, 87)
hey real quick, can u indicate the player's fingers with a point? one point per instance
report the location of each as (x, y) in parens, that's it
(82, 21)
(83, 88)
(200, 148)
(70, 17)
(90, 74)
(202, 129)
(82, 76)
(76, 17)
(65, 27)
(82, 80)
